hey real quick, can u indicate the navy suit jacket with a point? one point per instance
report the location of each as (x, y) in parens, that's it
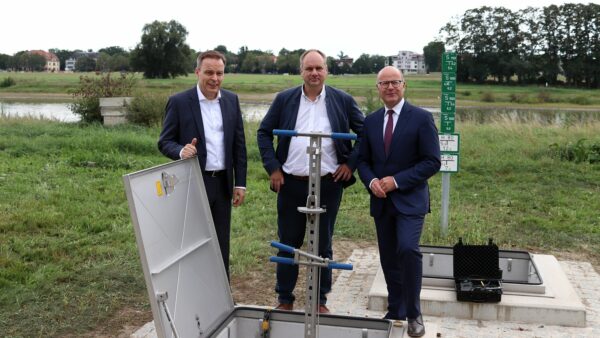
(183, 122)
(344, 115)
(414, 157)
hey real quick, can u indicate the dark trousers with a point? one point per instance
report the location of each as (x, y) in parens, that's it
(219, 199)
(398, 238)
(291, 227)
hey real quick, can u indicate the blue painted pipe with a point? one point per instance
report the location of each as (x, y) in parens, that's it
(282, 247)
(341, 266)
(284, 132)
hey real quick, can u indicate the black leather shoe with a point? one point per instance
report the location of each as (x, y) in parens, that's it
(388, 315)
(416, 327)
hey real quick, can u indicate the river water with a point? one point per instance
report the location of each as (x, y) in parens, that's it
(255, 112)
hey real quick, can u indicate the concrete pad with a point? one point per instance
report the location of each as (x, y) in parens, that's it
(559, 305)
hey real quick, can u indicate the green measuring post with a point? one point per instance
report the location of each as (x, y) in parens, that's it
(449, 141)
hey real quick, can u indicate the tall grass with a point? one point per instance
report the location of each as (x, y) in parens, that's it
(68, 258)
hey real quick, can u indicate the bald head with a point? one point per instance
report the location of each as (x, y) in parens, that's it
(391, 85)
(390, 71)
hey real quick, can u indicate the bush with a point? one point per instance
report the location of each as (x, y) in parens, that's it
(582, 100)
(7, 82)
(488, 97)
(578, 152)
(545, 97)
(87, 96)
(147, 109)
(466, 93)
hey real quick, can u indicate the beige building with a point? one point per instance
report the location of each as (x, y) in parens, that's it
(409, 62)
(52, 61)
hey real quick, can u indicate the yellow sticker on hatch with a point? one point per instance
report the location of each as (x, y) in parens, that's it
(159, 189)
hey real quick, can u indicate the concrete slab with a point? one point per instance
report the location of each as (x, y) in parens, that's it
(558, 305)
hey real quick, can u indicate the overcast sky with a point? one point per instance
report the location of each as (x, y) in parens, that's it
(353, 26)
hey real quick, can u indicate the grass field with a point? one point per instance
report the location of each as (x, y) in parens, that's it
(68, 258)
(422, 89)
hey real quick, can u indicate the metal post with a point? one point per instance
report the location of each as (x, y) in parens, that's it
(313, 211)
(445, 203)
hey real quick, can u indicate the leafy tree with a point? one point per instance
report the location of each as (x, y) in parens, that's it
(288, 61)
(256, 62)
(433, 56)
(162, 52)
(85, 64)
(113, 50)
(362, 65)
(119, 63)
(4, 61)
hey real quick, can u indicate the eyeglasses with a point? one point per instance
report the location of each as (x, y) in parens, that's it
(394, 83)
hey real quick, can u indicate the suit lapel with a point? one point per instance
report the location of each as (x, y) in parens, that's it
(294, 107)
(378, 140)
(194, 103)
(227, 127)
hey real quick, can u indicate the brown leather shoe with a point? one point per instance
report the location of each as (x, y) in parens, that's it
(285, 307)
(416, 328)
(323, 309)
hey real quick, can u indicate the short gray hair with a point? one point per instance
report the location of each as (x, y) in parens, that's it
(310, 51)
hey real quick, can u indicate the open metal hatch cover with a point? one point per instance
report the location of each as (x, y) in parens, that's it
(178, 247)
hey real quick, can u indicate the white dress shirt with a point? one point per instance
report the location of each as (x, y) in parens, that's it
(212, 120)
(312, 117)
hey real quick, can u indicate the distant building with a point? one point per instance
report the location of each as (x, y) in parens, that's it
(345, 61)
(408, 62)
(52, 61)
(70, 65)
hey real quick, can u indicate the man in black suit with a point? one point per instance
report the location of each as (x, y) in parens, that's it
(207, 121)
(399, 152)
(307, 108)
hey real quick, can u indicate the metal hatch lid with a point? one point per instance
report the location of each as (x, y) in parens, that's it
(178, 249)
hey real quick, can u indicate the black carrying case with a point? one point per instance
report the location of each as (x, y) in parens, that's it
(476, 272)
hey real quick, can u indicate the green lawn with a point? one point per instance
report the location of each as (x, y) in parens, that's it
(422, 89)
(68, 257)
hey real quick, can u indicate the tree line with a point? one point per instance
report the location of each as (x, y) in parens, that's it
(164, 53)
(550, 45)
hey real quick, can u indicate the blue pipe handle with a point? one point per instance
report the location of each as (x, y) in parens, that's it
(341, 266)
(282, 247)
(284, 132)
(282, 260)
(343, 136)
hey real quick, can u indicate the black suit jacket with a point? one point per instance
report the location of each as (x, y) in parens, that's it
(183, 122)
(344, 115)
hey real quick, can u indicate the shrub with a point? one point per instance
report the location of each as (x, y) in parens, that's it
(488, 97)
(87, 95)
(466, 93)
(582, 100)
(545, 97)
(147, 109)
(7, 82)
(578, 152)
(372, 102)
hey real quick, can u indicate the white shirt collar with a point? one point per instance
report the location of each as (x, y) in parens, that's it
(321, 95)
(201, 96)
(397, 108)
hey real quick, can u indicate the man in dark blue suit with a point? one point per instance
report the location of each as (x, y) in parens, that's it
(207, 121)
(399, 151)
(308, 108)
